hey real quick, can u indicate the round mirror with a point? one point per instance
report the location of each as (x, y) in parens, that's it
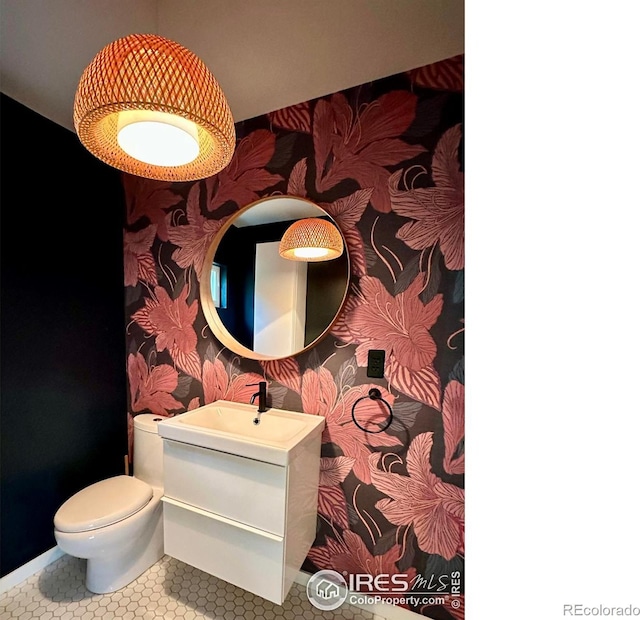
(259, 304)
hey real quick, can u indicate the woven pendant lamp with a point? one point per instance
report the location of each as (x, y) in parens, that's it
(311, 240)
(143, 85)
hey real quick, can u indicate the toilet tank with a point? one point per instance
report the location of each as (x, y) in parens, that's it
(147, 449)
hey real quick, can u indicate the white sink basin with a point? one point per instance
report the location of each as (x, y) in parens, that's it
(227, 426)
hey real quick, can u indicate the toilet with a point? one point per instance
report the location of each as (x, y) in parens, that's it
(116, 524)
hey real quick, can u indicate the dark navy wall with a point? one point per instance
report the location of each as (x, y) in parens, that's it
(62, 363)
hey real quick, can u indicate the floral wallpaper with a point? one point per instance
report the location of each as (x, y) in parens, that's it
(385, 159)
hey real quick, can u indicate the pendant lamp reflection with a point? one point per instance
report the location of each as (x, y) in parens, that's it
(149, 106)
(311, 240)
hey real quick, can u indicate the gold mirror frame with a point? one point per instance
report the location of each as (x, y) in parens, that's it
(216, 324)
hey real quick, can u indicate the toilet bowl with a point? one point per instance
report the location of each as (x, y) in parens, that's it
(116, 524)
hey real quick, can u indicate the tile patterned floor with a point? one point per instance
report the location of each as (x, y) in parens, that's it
(169, 589)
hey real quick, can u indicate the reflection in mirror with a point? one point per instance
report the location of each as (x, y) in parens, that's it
(259, 304)
(312, 239)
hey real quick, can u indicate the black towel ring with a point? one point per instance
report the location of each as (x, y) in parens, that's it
(374, 394)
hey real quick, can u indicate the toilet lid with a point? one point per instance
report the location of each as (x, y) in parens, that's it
(102, 503)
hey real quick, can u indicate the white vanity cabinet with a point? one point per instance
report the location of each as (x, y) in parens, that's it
(246, 521)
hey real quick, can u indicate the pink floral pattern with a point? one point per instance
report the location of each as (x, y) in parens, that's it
(347, 212)
(453, 421)
(246, 175)
(139, 263)
(219, 385)
(295, 117)
(171, 322)
(399, 326)
(384, 159)
(438, 212)
(151, 388)
(148, 199)
(331, 500)
(320, 397)
(361, 145)
(193, 238)
(435, 509)
(446, 75)
(286, 372)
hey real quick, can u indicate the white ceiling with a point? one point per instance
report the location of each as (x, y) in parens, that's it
(266, 54)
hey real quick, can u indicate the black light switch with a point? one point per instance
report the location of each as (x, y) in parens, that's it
(375, 363)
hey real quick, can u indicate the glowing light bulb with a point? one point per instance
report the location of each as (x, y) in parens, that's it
(310, 252)
(158, 138)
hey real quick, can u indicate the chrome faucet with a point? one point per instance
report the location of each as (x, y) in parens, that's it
(262, 399)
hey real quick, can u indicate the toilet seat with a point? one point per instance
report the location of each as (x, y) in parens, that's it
(102, 504)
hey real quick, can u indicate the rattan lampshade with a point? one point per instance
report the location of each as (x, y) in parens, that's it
(146, 72)
(311, 240)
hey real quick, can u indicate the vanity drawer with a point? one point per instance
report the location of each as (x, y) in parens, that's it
(241, 489)
(238, 554)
